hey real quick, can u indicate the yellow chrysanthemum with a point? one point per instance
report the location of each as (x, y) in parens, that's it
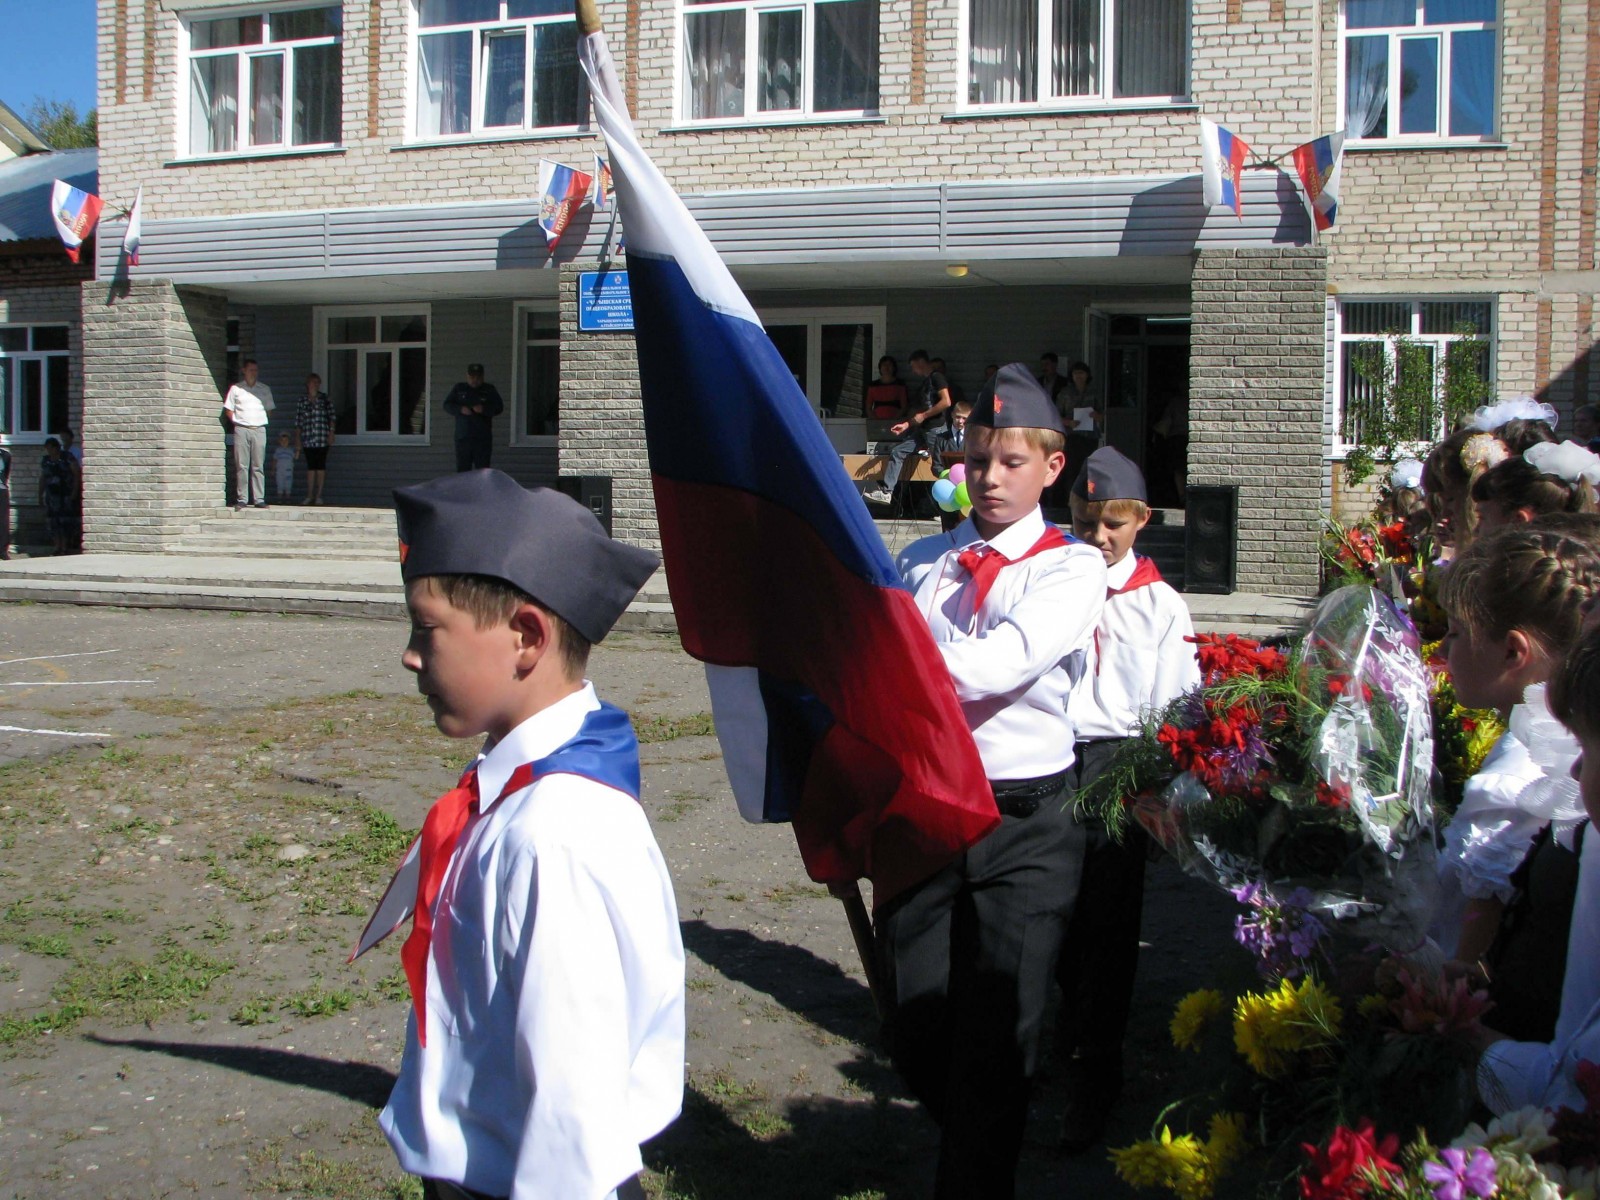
(1146, 1163)
(1373, 1006)
(1178, 1163)
(1194, 1013)
(1270, 1027)
(1226, 1145)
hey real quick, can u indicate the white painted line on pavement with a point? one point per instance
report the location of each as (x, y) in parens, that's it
(75, 682)
(52, 732)
(6, 662)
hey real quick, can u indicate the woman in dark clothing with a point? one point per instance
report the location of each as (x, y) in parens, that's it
(58, 493)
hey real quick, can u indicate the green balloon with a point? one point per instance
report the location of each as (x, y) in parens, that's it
(961, 497)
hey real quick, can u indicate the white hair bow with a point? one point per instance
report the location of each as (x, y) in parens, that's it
(1524, 408)
(1565, 460)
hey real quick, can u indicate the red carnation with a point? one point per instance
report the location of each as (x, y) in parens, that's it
(1339, 1171)
(1335, 795)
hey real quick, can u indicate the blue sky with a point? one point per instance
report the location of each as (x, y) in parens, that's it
(47, 50)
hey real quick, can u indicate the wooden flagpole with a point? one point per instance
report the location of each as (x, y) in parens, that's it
(855, 910)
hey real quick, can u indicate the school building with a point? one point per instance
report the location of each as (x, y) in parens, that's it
(352, 189)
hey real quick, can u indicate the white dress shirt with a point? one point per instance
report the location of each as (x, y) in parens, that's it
(555, 1002)
(1514, 1075)
(1015, 661)
(249, 404)
(1138, 659)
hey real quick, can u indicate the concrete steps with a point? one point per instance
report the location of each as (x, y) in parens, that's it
(294, 532)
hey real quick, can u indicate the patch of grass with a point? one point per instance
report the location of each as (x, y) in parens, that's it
(165, 706)
(316, 1001)
(667, 729)
(122, 755)
(789, 893)
(253, 1011)
(47, 945)
(381, 841)
(682, 803)
(764, 1124)
(700, 985)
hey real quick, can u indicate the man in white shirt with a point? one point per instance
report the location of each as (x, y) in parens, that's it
(247, 404)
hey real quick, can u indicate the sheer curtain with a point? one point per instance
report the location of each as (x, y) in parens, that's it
(444, 84)
(1366, 86)
(214, 105)
(1004, 63)
(1075, 56)
(780, 54)
(558, 88)
(714, 64)
(846, 57)
(1151, 39)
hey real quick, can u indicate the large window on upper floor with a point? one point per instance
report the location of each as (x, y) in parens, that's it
(1419, 70)
(765, 60)
(490, 67)
(1066, 53)
(267, 80)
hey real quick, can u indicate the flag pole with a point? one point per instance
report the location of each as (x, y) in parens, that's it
(855, 910)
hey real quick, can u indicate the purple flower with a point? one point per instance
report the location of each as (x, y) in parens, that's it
(1282, 934)
(1458, 1176)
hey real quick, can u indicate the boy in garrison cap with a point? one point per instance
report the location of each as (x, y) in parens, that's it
(546, 1038)
(1139, 660)
(967, 956)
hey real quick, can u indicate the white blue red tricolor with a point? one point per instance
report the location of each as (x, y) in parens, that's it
(135, 230)
(1222, 159)
(1318, 164)
(833, 706)
(75, 212)
(562, 190)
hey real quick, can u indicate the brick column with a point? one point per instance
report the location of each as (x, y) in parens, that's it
(1256, 404)
(154, 360)
(602, 417)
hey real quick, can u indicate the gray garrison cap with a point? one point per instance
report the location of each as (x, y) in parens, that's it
(1013, 399)
(536, 539)
(1109, 474)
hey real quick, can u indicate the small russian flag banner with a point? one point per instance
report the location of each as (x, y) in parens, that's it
(135, 230)
(75, 212)
(832, 703)
(600, 190)
(1222, 156)
(1318, 164)
(561, 191)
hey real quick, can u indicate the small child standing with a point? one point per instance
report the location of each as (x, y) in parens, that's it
(1140, 660)
(283, 468)
(546, 1039)
(1515, 600)
(967, 956)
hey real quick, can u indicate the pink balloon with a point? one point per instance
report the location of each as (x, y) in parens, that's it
(958, 473)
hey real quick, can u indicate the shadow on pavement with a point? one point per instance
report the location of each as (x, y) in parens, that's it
(358, 1081)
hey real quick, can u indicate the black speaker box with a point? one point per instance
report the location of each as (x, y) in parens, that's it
(591, 491)
(1210, 537)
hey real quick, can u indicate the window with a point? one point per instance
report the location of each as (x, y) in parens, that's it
(832, 352)
(1408, 343)
(35, 365)
(771, 59)
(375, 370)
(497, 66)
(1424, 70)
(1093, 51)
(266, 81)
(538, 384)
(235, 354)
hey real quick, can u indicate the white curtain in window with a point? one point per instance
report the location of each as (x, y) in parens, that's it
(714, 64)
(505, 55)
(266, 99)
(444, 84)
(1366, 86)
(1075, 58)
(558, 88)
(1004, 63)
(1150, 40)
(780, 56)
(214, 105)
(846, 57)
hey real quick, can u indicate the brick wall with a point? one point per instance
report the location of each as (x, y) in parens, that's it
(155, 358)
(1256, 387)
(602, 419)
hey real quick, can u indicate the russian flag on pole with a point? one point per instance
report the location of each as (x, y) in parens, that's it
(1222, 156)
(135, 230)
(1318, 164)
(561, 191)
(75, 212)
(833, 706)
(600, 190)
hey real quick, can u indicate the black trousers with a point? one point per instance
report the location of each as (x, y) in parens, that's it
(966, 960)
(472, 453)
(1100, 952)
(5, 524)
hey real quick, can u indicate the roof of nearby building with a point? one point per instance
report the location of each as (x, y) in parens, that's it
(25, 185)
(17, 137)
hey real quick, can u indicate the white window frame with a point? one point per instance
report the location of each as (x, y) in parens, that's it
(1439, 341)
(807, 112)
(814, 319)
(263, 49)
(1045, 102)
(519, 359)
(12, 403)
(479, 131)
(321, 314)
(1441, 34)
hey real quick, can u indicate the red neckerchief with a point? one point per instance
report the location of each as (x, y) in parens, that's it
(1144, 574)
(441, 830)
(984, 563)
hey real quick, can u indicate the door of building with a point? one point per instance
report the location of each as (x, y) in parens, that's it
(1141, 364)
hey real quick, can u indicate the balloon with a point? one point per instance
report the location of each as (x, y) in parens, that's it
(967, 511)
(948, 505)
(945, 474)
(958, 473)
(943, 494)
(962, 499)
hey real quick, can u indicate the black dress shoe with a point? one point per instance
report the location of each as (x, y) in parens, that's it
(1093, 1087)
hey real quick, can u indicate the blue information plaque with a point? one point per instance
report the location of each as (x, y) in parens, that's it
(604, 303)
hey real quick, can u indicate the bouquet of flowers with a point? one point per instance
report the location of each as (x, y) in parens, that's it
(1462, 737)
(1306, 772)
(1366, 552)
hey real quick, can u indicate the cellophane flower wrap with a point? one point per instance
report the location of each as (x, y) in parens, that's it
(1305, 772)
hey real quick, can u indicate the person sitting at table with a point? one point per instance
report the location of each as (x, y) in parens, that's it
(886, 395)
